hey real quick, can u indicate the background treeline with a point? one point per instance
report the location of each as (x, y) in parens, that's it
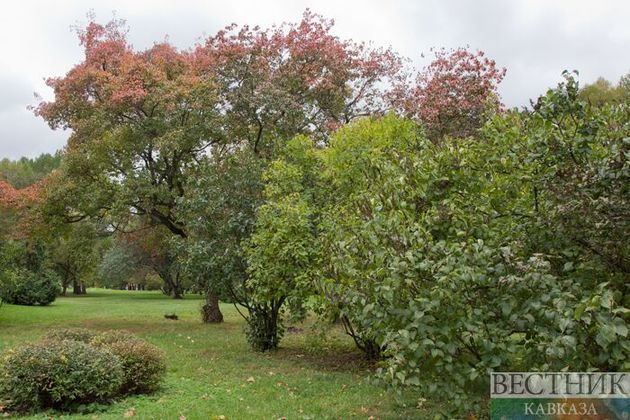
(291, 173)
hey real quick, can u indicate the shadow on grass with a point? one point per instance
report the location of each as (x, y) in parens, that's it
(333, 359)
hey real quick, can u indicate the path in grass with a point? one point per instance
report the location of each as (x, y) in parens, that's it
(211, 367)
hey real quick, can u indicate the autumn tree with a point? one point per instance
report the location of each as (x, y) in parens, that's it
(271, 84)
(25, 277)
(139, 121)
(275, 83)
(454, 95)
(15, 208)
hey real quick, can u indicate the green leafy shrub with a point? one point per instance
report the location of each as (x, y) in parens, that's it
(25, 287)
(143, 364)
(282, 249)
(501, 252)
(58, 374)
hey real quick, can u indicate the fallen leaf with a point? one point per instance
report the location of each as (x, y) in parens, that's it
(182, 417)
(204, 397)
(130, 413)
(251, 380)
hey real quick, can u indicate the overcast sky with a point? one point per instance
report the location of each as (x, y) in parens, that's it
(534, 39)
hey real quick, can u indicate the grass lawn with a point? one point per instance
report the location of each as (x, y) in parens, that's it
(210, 367)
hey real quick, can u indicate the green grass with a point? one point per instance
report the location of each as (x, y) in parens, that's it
(210, 366)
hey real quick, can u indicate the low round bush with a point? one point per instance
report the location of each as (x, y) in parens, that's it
(58, 374)
(75, 334)
(25, 287)
(144, 365)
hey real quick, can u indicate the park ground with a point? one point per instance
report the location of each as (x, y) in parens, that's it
(212, 373)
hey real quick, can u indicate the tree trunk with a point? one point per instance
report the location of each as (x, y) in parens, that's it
(210, 312)
(172, 286)
(78, 288)
(176, 290)
(367, 345)
(264, 329)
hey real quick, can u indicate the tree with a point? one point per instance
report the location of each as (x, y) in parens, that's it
(282, 252)
(25, 277)
(139, 121)
(454, 95)
(120, 266)
(74, 254)
(364, 171)
(271, 84)
(18, 198)
(152, 250)
(220, 210)
(25, 172)
(275, 83)
(602, 92)
(581, 159)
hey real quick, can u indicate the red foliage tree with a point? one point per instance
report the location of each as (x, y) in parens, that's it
(17, 209)
(18, 198)
(454, 95)
(140, 119)
(295, 78)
